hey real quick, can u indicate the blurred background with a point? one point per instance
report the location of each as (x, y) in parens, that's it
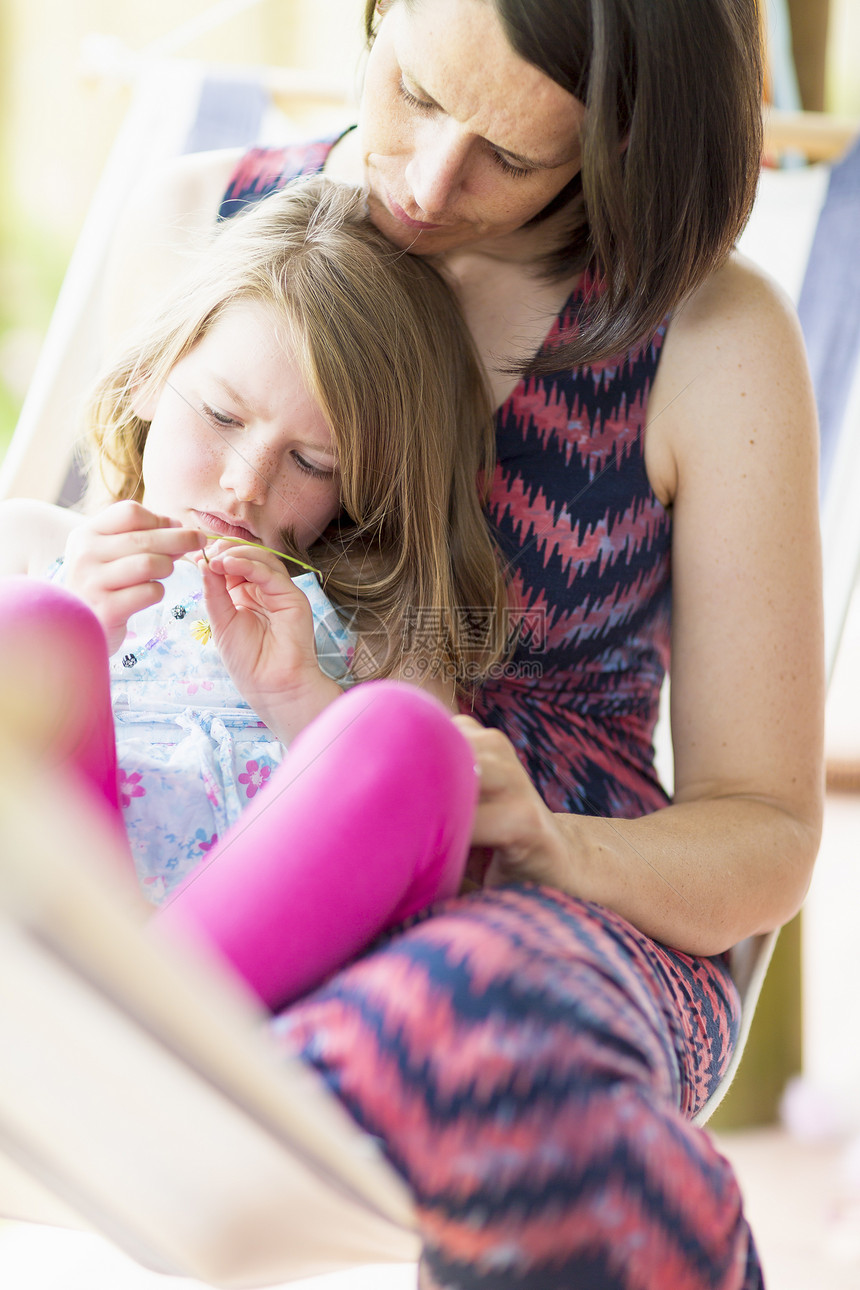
(66, 71)
(64, 90)
(60, 108)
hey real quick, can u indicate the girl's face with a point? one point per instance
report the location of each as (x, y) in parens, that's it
(462, 140)
(237, 445)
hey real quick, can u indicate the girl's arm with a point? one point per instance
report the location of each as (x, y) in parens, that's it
(732, 446)
(32, 535)
(263, 627)
(114, 561)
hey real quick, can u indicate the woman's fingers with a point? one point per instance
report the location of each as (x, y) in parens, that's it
(512, 822)
(496, 761)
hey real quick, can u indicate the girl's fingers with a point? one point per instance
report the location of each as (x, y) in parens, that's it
(128, 601)
(95, 549)
(263, 571)
(132, 571)
(128, 517)
(219, 603)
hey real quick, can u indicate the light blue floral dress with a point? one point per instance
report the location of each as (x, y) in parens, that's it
(191, 753)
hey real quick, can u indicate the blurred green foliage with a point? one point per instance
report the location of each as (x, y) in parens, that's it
(32, 264)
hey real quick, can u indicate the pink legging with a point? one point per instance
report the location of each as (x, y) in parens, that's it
(366, 821)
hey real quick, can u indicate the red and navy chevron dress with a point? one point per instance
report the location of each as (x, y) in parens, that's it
(530, 1062)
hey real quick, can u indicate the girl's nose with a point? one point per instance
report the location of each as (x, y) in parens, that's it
(244, 474)
(435, 171)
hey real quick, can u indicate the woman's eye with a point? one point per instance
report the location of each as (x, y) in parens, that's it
(422, 105)
(413, 100)
(518, 172)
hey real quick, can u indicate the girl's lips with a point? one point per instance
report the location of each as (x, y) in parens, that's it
(216, 524)
(400, 214)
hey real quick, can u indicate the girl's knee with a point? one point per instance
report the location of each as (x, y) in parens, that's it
(396, 729)
(53, 668)
(43, 614)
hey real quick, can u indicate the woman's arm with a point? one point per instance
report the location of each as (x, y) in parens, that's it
(732, 446)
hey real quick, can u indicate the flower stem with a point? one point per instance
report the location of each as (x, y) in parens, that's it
(220, 537)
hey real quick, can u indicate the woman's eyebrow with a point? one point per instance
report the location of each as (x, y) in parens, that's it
(516, 157)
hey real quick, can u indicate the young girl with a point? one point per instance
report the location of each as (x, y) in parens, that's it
(312, 395)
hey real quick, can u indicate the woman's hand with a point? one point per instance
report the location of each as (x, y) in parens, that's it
(262, 624)
(116, 562)
(515, 837)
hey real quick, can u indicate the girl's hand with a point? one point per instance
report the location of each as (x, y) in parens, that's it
(263, 626)
(116, 562)
(515, 837)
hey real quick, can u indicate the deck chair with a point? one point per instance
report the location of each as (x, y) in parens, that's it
(350, 1205)
(177, 107)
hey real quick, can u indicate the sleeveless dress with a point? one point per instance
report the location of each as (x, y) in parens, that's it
(529, 1061)
(191, 752)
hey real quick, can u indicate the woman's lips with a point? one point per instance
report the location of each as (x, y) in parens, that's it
(400, 214)
(216, 524)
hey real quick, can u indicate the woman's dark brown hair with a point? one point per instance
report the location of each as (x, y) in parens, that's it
(671, 148)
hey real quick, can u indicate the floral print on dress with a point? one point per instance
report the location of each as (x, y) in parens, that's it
(192, 754)
(193, 686)
(254, 777)
(201, 631)
(129, 787)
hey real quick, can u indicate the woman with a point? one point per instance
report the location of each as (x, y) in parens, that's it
(530, 1056)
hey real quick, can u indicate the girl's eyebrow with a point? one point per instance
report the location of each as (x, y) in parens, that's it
(232, 394)
(242, 405)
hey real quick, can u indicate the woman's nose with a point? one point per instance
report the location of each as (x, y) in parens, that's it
(435, 171)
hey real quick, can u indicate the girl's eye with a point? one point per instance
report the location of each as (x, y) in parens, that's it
(412, 99)
(219, 418)
(311, 468)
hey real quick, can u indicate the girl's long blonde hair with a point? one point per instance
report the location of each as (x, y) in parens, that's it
(385, 351)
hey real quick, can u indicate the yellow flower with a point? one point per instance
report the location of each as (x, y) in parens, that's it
(201, 631)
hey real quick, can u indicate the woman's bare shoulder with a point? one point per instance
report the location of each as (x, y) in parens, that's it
(739, 298)
(733, 356)
(33, 535)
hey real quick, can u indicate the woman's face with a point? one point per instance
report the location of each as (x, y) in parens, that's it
(462, 140)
